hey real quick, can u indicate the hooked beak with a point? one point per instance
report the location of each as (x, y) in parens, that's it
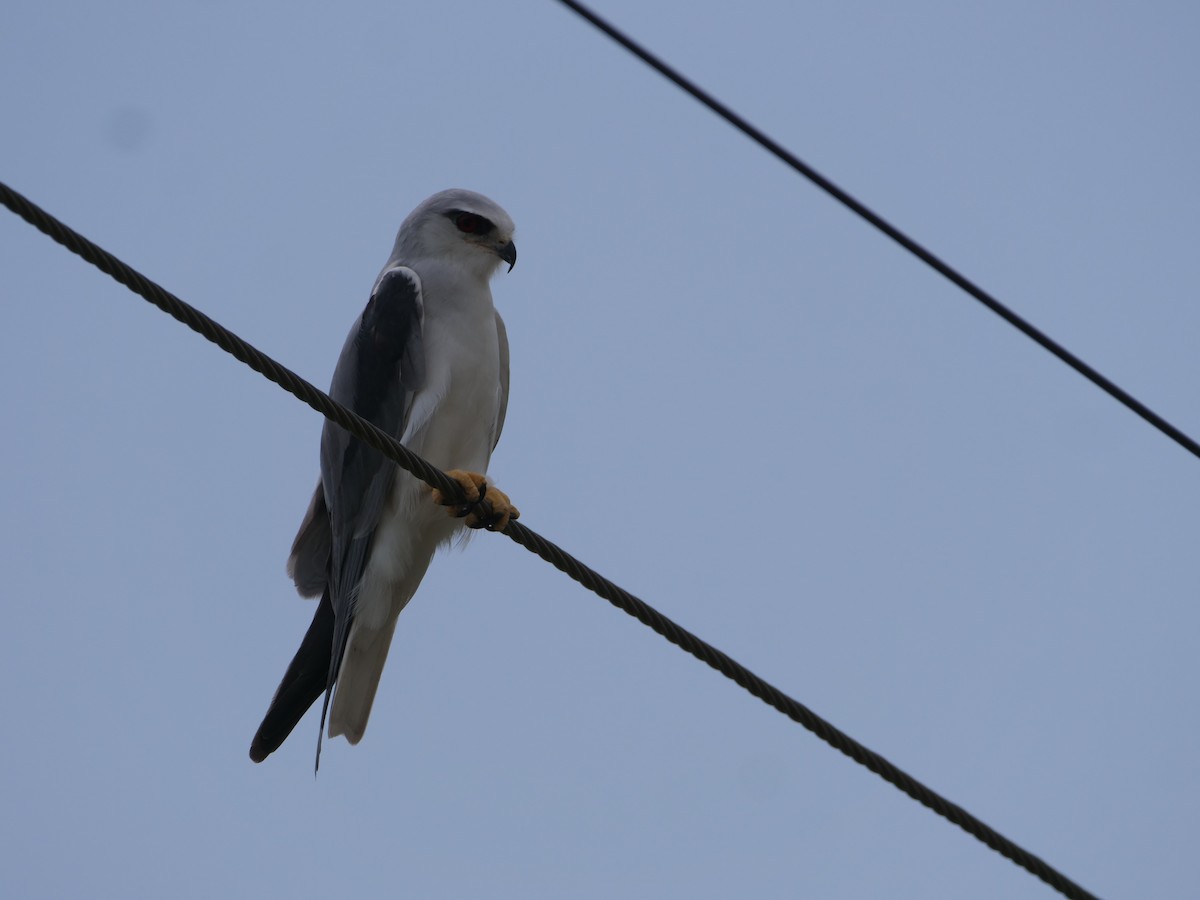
(508, 253)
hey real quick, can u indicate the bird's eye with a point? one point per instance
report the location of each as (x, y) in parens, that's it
(469, 223)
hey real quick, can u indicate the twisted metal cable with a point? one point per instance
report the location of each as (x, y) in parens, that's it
(922, 253)
(534, 542)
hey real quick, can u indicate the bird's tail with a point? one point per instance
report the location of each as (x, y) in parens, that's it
(305, 680)
(358, 679)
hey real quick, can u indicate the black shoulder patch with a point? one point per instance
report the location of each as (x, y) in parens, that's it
(389, 342)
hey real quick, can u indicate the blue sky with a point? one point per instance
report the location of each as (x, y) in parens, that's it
(729, 395)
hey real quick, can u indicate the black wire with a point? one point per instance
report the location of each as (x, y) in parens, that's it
(1109, 387)
(532, 541)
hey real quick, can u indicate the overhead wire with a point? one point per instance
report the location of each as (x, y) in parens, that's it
(534, 542)
(912, 246)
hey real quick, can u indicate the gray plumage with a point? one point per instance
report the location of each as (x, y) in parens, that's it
(428, 363)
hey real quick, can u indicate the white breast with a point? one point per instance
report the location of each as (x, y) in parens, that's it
(452, 425)
(454, 415)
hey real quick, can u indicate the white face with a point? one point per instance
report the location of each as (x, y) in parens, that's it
(463, 226)
(487, 243)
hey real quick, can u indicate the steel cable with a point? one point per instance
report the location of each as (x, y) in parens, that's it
(928, 257)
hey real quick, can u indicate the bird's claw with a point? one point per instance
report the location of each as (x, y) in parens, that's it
(473, 486)
(486, 506)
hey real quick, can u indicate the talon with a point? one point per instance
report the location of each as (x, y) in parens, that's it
(486, 505)
(473, 486)
(493, 512)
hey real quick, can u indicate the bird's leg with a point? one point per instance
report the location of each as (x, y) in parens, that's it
(486, 506)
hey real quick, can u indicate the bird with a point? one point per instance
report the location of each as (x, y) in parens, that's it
(427, 362)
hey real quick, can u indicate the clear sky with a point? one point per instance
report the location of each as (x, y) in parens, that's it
(728, 394)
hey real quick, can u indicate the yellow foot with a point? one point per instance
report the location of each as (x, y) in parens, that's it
(486, 506)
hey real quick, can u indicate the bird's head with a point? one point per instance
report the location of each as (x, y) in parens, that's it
(461, 227)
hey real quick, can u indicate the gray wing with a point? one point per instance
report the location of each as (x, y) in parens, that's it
(382, 365)
(502, 335)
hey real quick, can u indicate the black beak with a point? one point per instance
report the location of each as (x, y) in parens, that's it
(508, 253)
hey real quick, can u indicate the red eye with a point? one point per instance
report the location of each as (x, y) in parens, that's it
(471, 223)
